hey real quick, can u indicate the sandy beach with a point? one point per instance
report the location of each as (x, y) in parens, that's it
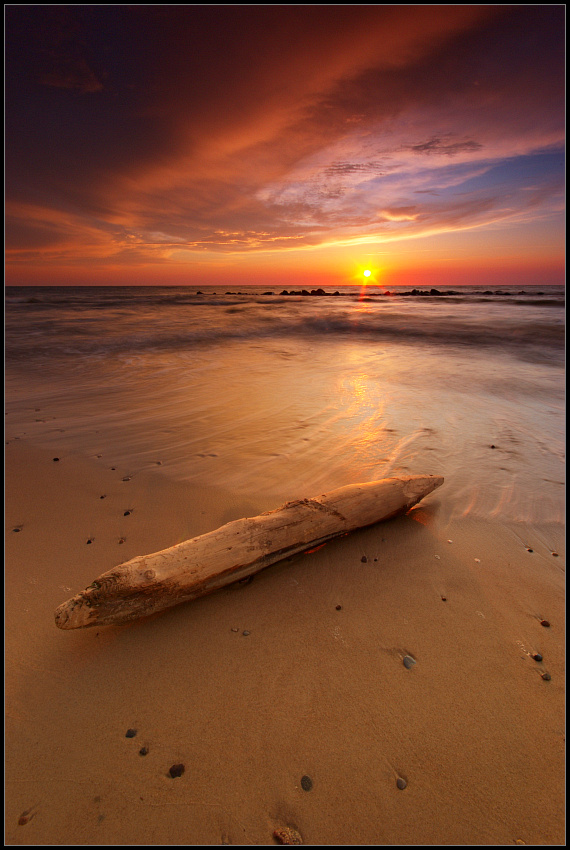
(259, 685)
(256, 255)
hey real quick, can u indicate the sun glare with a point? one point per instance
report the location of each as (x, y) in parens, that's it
(367, 273)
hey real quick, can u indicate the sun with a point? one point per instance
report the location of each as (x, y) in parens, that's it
(367, 273)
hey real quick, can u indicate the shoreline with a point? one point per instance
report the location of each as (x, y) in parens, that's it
(471, 727)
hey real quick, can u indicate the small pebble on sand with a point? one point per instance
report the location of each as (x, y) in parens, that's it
(364, 559)
(55, 459)
(246, 632)
(530, 550)
(130, 733)
(537, 656)
(176, 770)
(555, 554)
(545, 623)
(287, 835)
(401, 783)
(143, 751)
(338, 607)
(306, 783)
(409, 662)
(546, 677)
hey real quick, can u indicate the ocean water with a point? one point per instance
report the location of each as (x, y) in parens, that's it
(279, 396)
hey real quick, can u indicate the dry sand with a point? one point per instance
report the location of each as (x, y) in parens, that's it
(472, 727)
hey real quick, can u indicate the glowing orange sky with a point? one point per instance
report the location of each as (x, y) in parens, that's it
(284, 145)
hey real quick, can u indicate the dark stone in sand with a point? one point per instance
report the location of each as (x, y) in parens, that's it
(545, 623)
(89, 541)
(530, 550)
(409, 662)
(491, 447)
(546, 677)
(338, 607)
(555, 554)
(127, 513)
(143, 751)
(246, 633)
(16, 529)
(55, 459)
(102, 497)
(121, 539)
(444, 598)
(130, 733)
(364, 559)
(176, 770)
(306, 783)
(401, 783)
(537, 656)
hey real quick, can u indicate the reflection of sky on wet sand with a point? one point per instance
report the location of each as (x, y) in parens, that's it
(300, 418)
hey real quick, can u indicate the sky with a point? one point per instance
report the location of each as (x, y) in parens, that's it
(284, 145)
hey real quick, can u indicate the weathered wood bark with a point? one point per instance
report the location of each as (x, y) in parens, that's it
(151, 583)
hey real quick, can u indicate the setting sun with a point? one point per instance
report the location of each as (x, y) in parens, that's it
(367, 273)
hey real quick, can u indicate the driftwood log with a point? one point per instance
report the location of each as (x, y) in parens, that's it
(150, 583)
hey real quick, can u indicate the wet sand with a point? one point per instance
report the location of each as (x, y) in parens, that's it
(264, 683)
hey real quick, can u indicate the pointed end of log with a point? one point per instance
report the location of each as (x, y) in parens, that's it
(416, 487)
(75, 614)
